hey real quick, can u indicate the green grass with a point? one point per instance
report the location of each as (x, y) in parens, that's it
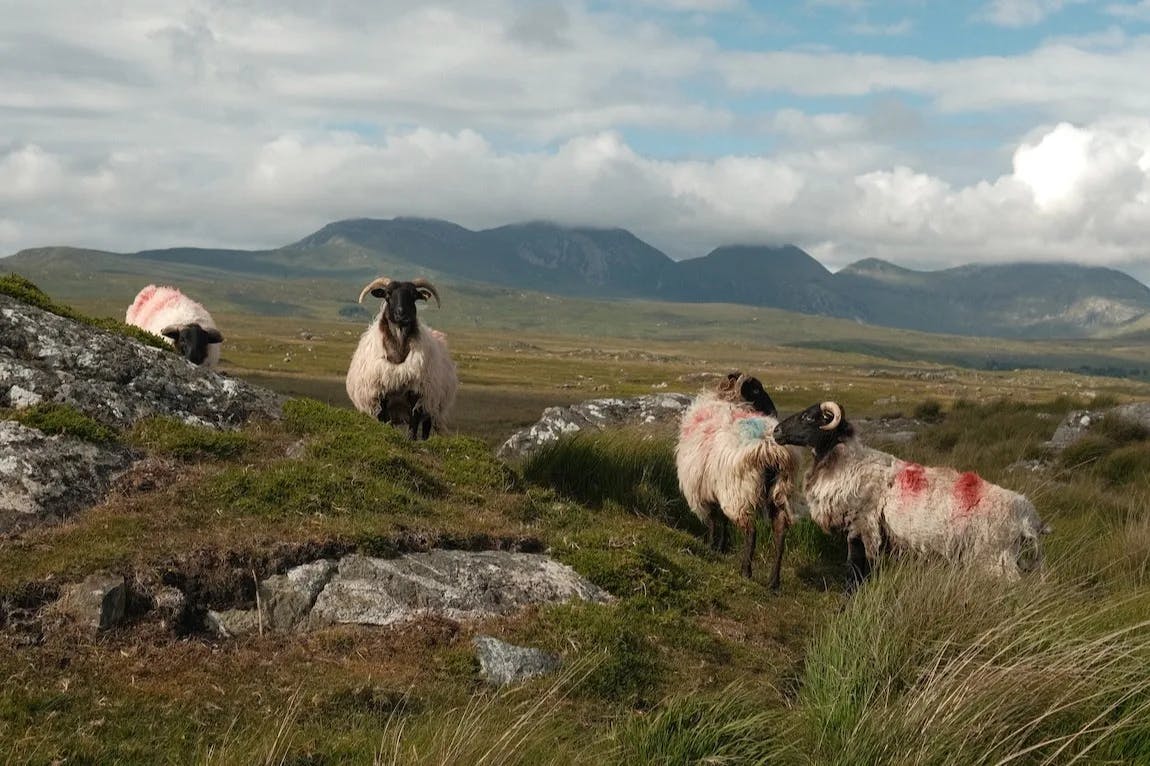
(52, 419)
(617, 469)
(169, 436)
(690, 663)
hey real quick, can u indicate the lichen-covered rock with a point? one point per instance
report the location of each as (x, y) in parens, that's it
(287, 599)
(458, 585)
(44, 479)
(595, 414)
(501, 663)
(99, 602)
(1078, 423)
(112, 378)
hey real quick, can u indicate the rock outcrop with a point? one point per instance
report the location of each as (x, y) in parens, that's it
(44, 479)
(359, 590)
(112, 378)
(595, 414)
(98, 602)
(1078, 423)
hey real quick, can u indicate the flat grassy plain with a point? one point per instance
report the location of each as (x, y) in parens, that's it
(926, 664)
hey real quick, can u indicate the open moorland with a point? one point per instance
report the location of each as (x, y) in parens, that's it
(925, 664)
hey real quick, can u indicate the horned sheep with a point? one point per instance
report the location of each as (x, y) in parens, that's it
(729, 466)
(877, 499)
(401, 372)
(183, 322)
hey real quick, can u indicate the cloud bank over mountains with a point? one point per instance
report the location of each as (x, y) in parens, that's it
(150, 124)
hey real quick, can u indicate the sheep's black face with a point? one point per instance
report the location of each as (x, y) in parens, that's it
(807, 429)
(192, 341)
(753, 392)
(399, 303)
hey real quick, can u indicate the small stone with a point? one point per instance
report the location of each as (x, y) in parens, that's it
(20, 398)
(99, 601)
(169, 604)
(233, 623)
(502, 663)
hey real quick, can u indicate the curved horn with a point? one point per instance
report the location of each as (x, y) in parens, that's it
(378, 282)
(423, 284)
(836, 413)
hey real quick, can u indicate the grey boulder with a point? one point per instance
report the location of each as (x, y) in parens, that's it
(501, 663)
(99, 601)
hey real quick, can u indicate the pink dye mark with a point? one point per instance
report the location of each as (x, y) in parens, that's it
(142, 299)
(158, 301)
(697, 420)
(911, 481)
(968, 492)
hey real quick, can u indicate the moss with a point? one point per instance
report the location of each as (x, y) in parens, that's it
(173, 437)
(16, 286)
(626, 667)
(52, 418)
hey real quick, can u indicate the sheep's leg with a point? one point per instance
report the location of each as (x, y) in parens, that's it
(724, 532)
(413, 425)
(748, 548)
(716, 528)
(858, 560)
(712, 540)
(779, 527)
(426, 426)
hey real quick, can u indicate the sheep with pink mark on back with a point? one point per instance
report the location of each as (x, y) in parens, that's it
(876, 498)
(167, 312)
(730, 467)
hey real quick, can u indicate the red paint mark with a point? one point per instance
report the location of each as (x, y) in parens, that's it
(152, 303)
(911, 480)
(968, 492)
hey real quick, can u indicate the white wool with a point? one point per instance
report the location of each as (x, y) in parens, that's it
(157, 307)
(721, 457)
(428, 370)
(875, 496)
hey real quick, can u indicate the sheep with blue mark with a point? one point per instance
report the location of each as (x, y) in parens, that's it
(730, 467)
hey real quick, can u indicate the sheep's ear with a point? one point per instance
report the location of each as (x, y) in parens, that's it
(171, 331)
(424, 294)
(213, 335)
(379, 292)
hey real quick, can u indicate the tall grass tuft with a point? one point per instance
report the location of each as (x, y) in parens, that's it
(935, 665)
(731, 727)
(624, 469)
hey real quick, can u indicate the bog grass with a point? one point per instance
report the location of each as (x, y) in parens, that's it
(691, 663)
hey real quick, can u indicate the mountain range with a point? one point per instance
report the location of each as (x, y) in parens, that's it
(1017, 300)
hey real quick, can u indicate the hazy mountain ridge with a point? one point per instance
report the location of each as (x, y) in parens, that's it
(1008, 300)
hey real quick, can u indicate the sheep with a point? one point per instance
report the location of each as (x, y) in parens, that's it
(729, 466)
(877, 498)
(401, 371)
(180, 320)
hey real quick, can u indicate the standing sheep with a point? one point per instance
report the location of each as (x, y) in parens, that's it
(875, 498)
(183, 322)
(730, 467)
(401, 371)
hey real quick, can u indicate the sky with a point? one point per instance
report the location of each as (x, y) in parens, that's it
(923, 132)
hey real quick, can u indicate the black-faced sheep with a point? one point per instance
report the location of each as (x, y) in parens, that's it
(730, 467)
(877, 499)
(401, 371)
(180, 320)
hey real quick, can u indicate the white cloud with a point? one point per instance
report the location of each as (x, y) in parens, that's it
(1020, 13)
(1072, 192)
(894, 29)
(252, 122)
(1139, 11)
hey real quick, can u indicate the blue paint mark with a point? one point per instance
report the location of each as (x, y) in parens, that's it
(753, 429)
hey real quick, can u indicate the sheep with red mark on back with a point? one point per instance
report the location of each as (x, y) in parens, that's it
(877, 499)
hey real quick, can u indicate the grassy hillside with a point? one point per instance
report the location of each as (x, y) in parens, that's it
(692, 664)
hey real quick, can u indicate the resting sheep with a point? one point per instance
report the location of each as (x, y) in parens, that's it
(729, 466)
(876, 498)
(401, 371)
(183, 322)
